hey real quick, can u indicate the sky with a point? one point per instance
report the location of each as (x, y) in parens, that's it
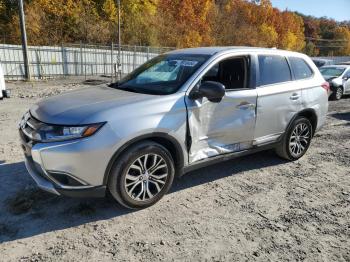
(336, 9)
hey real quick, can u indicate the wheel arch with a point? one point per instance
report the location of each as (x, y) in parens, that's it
(308, 113)
(164, 139)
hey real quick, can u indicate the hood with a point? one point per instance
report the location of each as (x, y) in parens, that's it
(72, 108)
(333, 80)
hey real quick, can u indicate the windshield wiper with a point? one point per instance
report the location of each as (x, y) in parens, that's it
(114, 85)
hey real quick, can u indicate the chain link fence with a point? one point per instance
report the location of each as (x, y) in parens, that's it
(47, 62)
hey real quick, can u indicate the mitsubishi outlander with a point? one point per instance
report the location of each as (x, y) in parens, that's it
(179, 111)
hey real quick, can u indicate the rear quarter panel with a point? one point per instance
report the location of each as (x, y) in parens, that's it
(314, 95)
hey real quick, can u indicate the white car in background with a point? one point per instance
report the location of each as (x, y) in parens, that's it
(3, 91)
(338, 77)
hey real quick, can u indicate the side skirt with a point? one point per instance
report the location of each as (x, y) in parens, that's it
(228, 156)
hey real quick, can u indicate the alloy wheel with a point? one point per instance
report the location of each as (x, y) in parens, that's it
(339, 93)
(146, 177)
(299, 139)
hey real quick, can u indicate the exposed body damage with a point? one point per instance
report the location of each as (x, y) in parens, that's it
(220, 128)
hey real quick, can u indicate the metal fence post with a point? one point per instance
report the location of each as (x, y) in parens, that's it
(134, 59)
(112, 67)
(81, 59)
(121, 61)
(64, 60)
(85, 60)
(75, 62)
(24, 41)
(104, 63)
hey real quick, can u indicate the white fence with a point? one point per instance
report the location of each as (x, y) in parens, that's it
(336, 59)
(81, 59)
(66, 60)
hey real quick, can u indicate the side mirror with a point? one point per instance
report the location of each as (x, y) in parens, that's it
(346, 78)
(213, 91)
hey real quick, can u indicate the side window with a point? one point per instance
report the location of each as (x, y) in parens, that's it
(300, 68)
(232, 73)
(273, 69)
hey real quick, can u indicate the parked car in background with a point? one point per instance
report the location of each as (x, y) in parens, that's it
(179, 111)
(338, 77)
(319, 62)
(3, 91)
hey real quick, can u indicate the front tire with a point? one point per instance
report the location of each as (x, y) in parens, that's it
(297, 140)
(142, 175)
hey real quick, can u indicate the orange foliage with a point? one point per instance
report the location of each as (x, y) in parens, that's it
(176, 23)
(184, 23)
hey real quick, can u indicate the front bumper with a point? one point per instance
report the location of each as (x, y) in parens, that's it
(46, 184)
(72, 168)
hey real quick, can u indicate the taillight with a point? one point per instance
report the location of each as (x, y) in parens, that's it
(326, 86)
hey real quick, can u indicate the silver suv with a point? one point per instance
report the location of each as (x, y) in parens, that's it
(177, 112)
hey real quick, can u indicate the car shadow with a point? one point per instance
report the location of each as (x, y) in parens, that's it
(26, 211)
(342, 116)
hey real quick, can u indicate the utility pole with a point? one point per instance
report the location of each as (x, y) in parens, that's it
(24, 40)
(119, 43)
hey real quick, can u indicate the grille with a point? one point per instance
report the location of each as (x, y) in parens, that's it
(29, 127)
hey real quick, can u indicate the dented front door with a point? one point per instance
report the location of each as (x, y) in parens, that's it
(220, 128)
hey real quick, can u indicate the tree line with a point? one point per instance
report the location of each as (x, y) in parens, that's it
(174, 23)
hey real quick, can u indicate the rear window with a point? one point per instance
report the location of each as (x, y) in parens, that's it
(332, 71)
(300, 68)
(273, 69)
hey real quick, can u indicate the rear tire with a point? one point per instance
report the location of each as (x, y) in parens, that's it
(142, 175)
(337, 95)
(297, 140)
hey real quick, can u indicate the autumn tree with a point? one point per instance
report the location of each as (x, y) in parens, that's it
(185, 23)
(342, 34)
(174, 23)
(139, 26)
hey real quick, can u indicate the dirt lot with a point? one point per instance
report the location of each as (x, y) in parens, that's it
(256, 208)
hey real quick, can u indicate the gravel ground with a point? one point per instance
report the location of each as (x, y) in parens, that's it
(256, 208)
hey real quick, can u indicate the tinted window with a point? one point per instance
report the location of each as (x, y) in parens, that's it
(300, 69)
(273, 69)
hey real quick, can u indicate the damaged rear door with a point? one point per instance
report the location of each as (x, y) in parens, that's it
(227, 126)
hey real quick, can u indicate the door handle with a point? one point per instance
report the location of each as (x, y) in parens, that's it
(245, 106)
(295, 96)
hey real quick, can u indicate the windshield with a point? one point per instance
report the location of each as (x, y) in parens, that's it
(332, 71)
(162, 75)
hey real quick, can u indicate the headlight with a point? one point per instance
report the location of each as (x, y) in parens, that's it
(51, 133)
